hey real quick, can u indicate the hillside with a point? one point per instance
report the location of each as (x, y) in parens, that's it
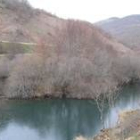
(73, 58)
(126, 30)
(19, 22)
(83, 63)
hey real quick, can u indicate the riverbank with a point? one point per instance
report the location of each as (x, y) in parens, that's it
(128, 128)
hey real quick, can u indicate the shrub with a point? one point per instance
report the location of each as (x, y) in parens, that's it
(5, 64)
(26, 78)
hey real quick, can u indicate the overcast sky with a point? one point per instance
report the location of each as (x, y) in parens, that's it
(89, 10)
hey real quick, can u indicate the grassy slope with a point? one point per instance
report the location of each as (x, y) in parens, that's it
(15, 48)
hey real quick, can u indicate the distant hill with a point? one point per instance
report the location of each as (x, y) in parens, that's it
(126, 30)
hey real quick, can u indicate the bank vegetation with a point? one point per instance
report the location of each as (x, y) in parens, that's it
(82, 62)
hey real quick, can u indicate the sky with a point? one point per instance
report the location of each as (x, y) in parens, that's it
(89, 10)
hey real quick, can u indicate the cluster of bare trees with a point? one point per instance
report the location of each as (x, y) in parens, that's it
(80, 64)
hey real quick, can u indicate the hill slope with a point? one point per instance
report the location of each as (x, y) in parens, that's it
(126, 30)
(22, 23)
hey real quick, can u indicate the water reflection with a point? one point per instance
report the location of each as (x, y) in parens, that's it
(129, 99)
(60, 119)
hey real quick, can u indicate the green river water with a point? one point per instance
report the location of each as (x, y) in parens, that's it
(56, 119)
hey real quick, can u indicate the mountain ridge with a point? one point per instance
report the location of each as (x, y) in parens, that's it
(126, 30)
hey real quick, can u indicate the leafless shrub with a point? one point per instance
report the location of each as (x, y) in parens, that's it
(5, 64)
(25, 81)
(5, 69)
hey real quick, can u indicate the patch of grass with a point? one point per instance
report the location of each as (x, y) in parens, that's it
(15, 48)
(136, 137)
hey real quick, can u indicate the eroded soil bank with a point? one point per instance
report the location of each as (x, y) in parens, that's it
(128, 128)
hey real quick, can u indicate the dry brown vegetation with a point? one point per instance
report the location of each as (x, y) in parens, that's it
(83, 62)
(128, 128)
(19, 22)
(126, 30)
(80, 60)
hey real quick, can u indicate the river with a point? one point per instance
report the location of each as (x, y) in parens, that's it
(56, 119)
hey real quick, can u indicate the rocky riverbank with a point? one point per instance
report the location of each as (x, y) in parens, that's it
(128, 128)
